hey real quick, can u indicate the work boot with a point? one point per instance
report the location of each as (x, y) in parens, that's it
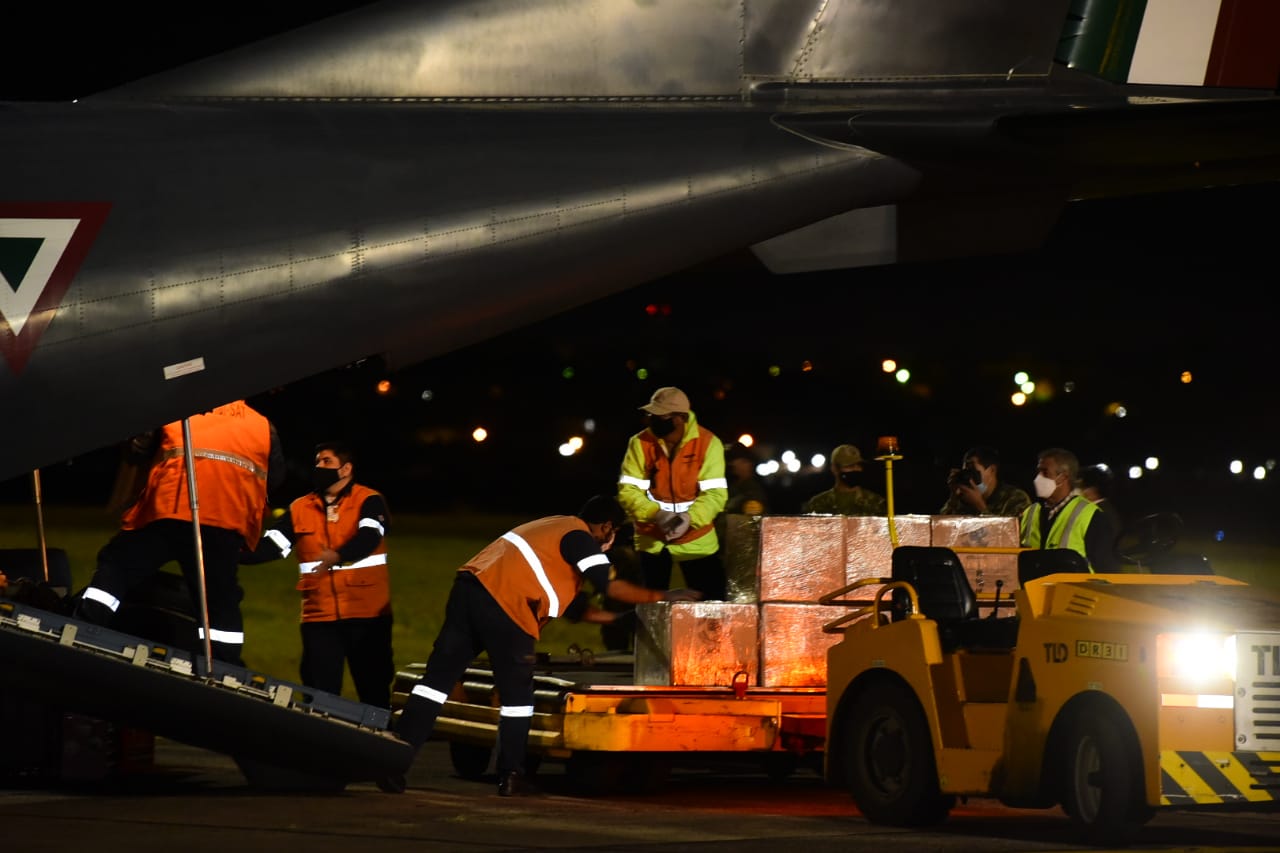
(392, 783)
(512, 784)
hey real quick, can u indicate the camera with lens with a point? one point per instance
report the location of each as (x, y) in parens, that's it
(966, 477)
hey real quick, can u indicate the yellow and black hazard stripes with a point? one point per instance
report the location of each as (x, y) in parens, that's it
(1210, 778)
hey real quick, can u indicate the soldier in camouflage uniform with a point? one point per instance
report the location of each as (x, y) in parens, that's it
(976, 488)
(849, 495)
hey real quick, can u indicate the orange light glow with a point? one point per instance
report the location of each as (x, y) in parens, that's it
(384, 387)
(479, 434)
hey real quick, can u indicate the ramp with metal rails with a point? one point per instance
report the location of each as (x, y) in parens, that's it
(282, 734)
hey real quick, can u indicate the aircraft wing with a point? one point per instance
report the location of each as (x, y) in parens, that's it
(410, 178)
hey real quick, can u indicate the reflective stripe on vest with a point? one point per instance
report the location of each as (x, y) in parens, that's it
(633, 481)
(553, 600)
(678, 506)
(220, 456)
(371, 560)
(1066, 528)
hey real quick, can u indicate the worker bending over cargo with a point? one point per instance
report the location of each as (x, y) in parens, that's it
(499, 603)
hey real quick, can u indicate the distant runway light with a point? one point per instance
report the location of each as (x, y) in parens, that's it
(1151, 463)
(567, 373)
(479, 434)
(793, 464)
(575, 442)
(1068, 386)
(902, 376)
(1271, 464)
(774, 370)
(1027, 387)
(818, 460)
(888, 365)
(1021, 378)
(1122, 412)
(1018, 398)
(589, 426)
(1135, 472)
(788, 456)
(1236, 466)
(1260, 472)
(1185, 377)
(567, 449)
(806, 366)
(746, 439)
(1220, 535)
(770, 468)
(384, 387)
(642, 373)
(428, 395)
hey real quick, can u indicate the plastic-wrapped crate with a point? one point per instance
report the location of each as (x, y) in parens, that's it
(697, 643)
(793, 646)
(802, 557)
(740, 554)
(977, 531)
(869, 549)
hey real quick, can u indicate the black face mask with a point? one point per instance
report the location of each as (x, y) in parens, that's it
(323, 478)
(661, 427)
(853, 478)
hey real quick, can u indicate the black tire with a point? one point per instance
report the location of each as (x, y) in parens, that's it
(596, 773)
(780, 766)
(1102, 783)
(470, 761)
(645, 773)
(889, 759)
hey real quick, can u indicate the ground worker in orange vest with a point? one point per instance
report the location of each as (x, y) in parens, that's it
(237, 460)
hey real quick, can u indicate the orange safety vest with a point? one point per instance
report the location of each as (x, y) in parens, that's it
(231, 446)
(526, 574)
(674, 481)
(357, 590)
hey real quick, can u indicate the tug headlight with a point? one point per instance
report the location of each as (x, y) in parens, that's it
(1196, 657)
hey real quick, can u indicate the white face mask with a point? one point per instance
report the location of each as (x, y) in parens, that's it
(982, 488)
(1044, 486)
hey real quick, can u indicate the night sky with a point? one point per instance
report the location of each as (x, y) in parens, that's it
(1124, 297)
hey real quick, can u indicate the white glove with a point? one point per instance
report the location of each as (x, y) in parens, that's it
(663, 518)
(679, 526)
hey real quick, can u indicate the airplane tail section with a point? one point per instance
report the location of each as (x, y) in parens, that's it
(1212, 43)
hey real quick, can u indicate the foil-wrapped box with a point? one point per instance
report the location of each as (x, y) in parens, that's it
(740, 554)
(981, 531)
(793, 646)
(801, 556)
(697, 643)
(869, 547)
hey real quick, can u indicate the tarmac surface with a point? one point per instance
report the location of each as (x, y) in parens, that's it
(190, 800)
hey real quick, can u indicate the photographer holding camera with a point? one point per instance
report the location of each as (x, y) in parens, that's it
(975, 487)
